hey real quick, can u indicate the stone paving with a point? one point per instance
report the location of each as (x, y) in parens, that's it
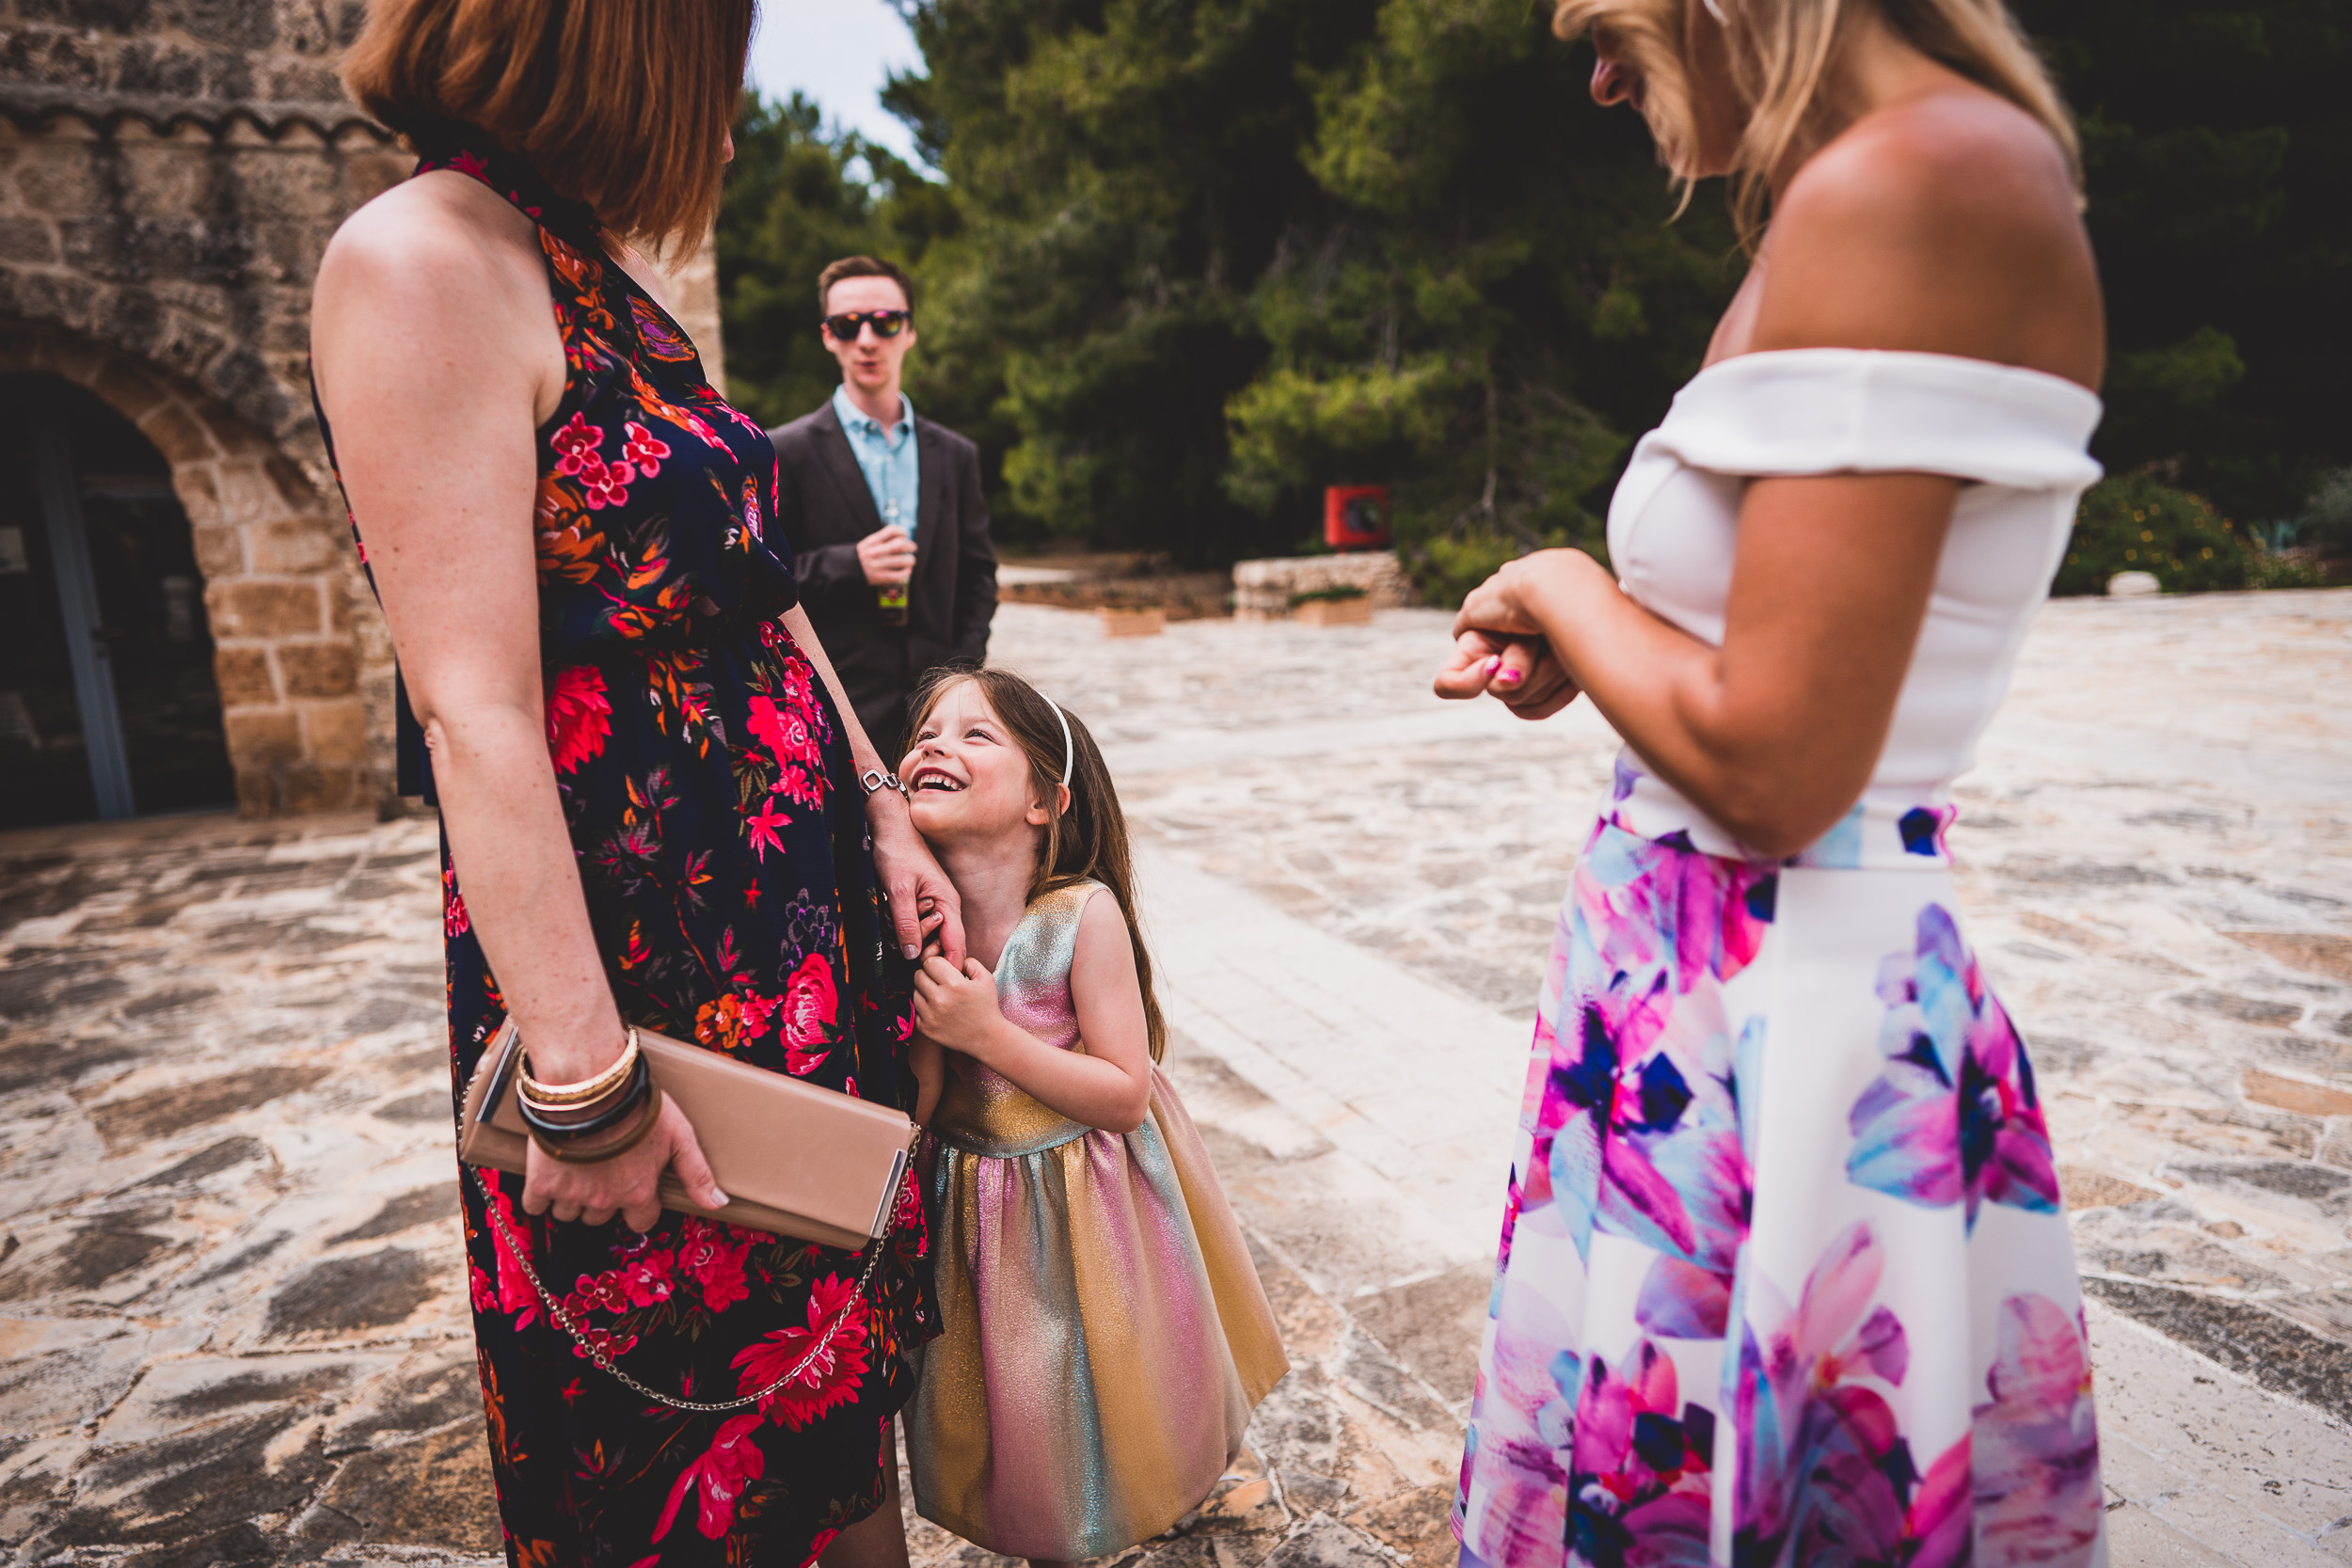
(230, 1319)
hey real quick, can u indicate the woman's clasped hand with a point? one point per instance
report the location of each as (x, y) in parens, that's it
(1500, 649)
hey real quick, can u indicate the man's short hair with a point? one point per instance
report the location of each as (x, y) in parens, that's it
(861, 266)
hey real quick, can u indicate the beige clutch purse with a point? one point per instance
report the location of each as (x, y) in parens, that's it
(794, 1159)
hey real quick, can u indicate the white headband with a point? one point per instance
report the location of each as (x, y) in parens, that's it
(1068, 753)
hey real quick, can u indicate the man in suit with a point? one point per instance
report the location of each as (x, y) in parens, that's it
(883, 512)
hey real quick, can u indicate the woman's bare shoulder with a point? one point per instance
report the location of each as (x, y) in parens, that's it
(1945, 225)
(439, 236)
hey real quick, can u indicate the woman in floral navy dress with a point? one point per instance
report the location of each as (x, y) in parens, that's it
(650, 788)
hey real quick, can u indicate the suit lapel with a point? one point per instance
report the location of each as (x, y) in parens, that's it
(930, 489)
(840, 466)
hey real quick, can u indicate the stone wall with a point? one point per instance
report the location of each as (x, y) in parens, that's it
(171, 172)
(1262, 588)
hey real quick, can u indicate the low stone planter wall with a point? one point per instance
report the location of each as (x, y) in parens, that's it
(1262, 588)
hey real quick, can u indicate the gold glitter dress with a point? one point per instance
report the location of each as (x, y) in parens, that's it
(1104, 1334)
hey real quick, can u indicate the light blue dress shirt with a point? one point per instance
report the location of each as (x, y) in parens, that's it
(888, 462)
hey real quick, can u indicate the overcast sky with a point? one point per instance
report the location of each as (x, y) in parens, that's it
(840, 53)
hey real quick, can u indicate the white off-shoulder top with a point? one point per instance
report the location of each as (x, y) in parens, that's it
(2017, 437)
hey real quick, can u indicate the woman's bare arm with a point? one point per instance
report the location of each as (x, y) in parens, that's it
(1775, 732)
(919, 893)
(436, 357)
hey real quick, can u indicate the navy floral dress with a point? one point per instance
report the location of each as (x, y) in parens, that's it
(729, 876)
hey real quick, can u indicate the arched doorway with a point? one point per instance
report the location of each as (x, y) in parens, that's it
(108, 705)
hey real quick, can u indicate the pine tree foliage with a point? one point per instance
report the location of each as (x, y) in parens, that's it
(1184, 262)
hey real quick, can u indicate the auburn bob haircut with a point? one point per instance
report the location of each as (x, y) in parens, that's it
(623, 104)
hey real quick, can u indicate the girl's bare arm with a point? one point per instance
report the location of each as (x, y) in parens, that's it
(1109, 1083)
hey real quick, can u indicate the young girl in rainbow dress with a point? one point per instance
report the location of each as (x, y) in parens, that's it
(1105, 1334)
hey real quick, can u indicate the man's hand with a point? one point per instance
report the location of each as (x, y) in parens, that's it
(887, 556)
(955, 1007)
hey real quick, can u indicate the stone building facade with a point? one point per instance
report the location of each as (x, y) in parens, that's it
(171, 171)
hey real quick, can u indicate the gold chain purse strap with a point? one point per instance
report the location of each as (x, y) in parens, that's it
(562, 1318)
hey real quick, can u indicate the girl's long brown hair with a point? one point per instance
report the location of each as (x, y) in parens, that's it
(1089, 841)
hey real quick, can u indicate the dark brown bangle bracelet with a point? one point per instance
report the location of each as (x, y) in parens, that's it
(602, 1152)
(591, 1119)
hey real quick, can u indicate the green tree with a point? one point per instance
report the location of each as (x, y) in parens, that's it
(2218, 137)
(799, 196)
(1482, 296)
(1218, 253)
(1191, 260)
(1124, 169)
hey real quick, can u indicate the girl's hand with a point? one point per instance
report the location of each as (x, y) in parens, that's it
(956, 1006)
(924, 904)
(629, 1184)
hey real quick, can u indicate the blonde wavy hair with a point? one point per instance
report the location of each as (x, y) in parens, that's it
(1781, 52)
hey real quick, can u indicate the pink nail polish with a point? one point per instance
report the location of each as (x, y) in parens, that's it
(1492, 665)
(1510, 678)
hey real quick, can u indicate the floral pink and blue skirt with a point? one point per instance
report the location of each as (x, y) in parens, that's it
(1785, 1275)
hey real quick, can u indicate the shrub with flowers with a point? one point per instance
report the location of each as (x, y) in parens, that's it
(2137, 523)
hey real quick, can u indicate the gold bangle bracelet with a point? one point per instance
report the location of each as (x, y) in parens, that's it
(555, 1096)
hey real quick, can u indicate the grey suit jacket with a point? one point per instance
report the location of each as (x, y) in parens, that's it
(824, 507)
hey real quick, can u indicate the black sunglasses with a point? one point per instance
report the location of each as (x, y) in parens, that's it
(886, 324)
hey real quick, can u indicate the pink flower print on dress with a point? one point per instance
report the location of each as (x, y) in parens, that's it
(731, 1462)
(831, 1379)
(791, 741)
(2038, 1499)
(454, 920)
(761, 827)
(603, 484)
(1640, 1480)
(580, 717)
(1638, 1133)
(516, 1297)
(641, 1281)
(575, 446)
(1826, 1471)
(644, 449)
(811, 1009)
(708, 1255)
(1955, 1117)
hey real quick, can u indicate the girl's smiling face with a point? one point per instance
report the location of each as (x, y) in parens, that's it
(967, 779)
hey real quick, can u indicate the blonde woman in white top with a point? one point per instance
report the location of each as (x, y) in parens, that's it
(1785, 1274)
